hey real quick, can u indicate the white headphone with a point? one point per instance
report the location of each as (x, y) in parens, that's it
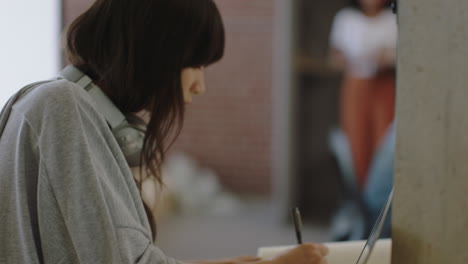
(128, 130)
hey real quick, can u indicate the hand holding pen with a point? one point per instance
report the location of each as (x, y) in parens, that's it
(305, 253)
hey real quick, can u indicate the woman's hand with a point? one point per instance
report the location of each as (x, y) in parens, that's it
(386, 59)
(238, 260)
(303, 254)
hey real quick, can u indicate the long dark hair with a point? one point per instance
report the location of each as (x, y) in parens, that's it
(135, 50)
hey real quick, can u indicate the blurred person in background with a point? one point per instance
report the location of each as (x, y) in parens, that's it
(67, 144)
(363, 45)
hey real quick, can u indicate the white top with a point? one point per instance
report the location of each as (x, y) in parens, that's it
(361, 39)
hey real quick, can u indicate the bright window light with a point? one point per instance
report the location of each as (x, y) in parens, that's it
(29, 43)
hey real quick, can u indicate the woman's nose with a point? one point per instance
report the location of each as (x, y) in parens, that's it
(200, 88)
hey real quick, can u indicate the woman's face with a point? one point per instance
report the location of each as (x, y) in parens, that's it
(372, 4)
(193, 83)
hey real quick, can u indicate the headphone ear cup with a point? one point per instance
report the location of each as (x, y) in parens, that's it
(130, 139)
(136, 121)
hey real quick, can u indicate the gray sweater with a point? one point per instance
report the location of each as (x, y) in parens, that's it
(66, 192)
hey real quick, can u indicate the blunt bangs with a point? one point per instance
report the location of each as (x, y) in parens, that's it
(209, 38)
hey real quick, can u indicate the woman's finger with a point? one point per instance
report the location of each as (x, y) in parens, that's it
(321, 248)
(248, 259)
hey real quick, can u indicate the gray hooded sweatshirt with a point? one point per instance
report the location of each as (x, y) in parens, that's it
(66, 192)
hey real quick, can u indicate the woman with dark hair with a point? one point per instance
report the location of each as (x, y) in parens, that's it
(67, 192)
(363, 44)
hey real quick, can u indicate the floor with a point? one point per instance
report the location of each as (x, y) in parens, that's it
(202, 236)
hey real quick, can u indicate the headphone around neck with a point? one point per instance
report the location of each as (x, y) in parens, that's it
(128, 130)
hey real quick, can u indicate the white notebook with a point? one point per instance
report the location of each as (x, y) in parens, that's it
(341, 252)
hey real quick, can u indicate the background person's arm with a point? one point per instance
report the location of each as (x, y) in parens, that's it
(336, 59)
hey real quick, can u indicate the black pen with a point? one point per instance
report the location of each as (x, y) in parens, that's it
(296, 215)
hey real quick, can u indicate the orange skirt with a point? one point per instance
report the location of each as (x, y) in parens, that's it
(367, 109)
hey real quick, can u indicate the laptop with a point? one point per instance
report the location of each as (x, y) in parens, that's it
(376, 232)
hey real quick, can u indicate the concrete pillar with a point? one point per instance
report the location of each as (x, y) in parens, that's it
(430, 217)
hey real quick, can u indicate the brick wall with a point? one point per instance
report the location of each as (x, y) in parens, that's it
(72, 8)
(229, 129)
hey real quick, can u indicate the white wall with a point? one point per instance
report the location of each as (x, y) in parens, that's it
(29, 43)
